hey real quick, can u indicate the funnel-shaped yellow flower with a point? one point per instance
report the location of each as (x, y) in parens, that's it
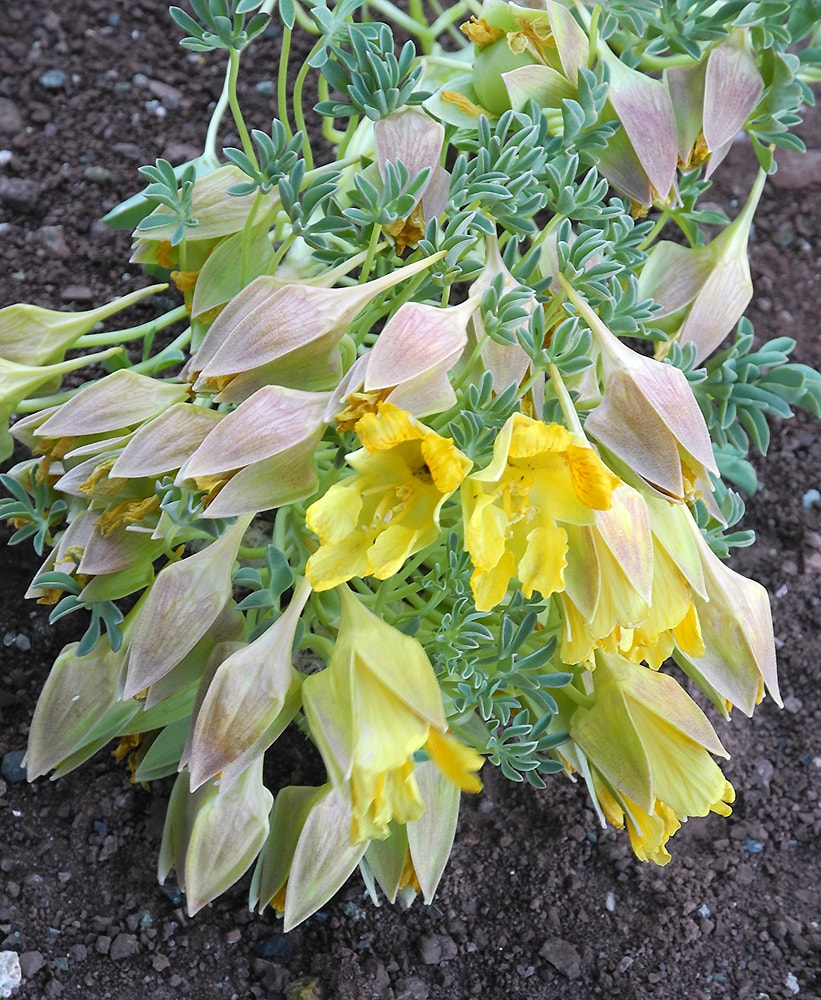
(374, 706)
(371, 522)
(540, 476)
(650, 742)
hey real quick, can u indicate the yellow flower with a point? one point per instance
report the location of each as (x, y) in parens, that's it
(540, 476)
(648, 831)
(370, 711)
(370, 523)
(651, 744)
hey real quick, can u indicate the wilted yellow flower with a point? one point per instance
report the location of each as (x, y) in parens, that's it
(374, 706)
(651, 744)
(540, 476)
(371, 522)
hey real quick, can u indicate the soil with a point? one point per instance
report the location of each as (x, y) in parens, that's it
(537, 902)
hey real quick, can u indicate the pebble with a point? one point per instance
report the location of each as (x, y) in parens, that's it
(20, 193)
(563, 956)
(410, 989)
(797, 170)
(11, 766)
(10, 973)
(169, 96)
(30, 963)
(792, 983)
(52, 79)
(793, 705)
(809, 498)
(436, 948)
(97, 175)
(11, 121)
(124, 946)
(76, 293)
(277, 946)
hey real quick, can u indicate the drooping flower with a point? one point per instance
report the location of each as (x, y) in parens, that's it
(371, 522)
(260, 455)
(703, 290)
(713, 99)
(307, 855)
(737, 660)
(539, 478)
(651, 745)
(34, 336)
(211, 837)
(374, 706)
(412, 137)
(648, 417)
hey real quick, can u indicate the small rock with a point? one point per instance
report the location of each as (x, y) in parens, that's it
(233, 936)
(793, 705)
(97, 175)
(161, 963)
(304, 988)
(797, 170)
(410, 989)
(52, 79)
(78, 953)
(76, 293)
(10, 972)
(792, 984)
(563, 956)
(11, 767)
(124, 946)
(11, 121)
(19, 193)
(30, 963)
(164, 92)
(103, 944)
(436, 948)
(764, 771)
(277, 946)
(180, 152)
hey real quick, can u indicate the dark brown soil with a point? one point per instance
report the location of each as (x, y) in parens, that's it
(537, 902)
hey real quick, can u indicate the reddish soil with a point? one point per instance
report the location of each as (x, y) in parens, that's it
(537, 901)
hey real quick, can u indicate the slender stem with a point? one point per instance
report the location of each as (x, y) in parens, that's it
(566, 403)
(282, 80)
(132, 333)
(155, 364)
(210, 148)
(239, 121)
(373, 243)
(299, 110)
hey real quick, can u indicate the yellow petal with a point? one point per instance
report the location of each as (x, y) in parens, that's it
(456, 760)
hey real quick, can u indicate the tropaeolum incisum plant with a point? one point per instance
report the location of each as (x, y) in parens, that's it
(400, 481)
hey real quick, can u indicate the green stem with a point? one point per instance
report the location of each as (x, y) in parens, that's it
(299, 111)
(373, 243)
(658, 225)
(132, 333)
(282, 80)
(155, 364)
(566, 403)
(239, 121)
(210, 147)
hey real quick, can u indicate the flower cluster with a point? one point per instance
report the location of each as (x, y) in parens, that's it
(400, 481)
